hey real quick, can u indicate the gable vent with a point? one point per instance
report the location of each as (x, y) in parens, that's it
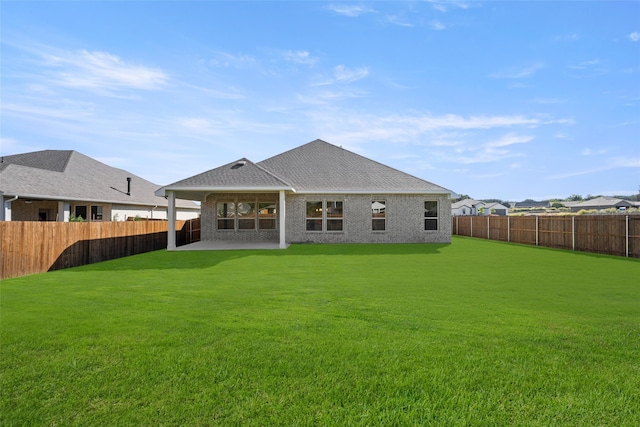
(239, 164)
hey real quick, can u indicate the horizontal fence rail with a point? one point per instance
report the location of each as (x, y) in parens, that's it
(603, 234)
(29, 247)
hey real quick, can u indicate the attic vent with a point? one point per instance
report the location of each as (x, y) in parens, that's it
(239, 164)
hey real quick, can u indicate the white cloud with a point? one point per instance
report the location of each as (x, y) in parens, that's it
(229, 60)
(519, 72)
(635, 36)
(300, 57)
(349, 10)
(437, 25)
(342, 74)
(102, 70)
(590, 152)
(509, 139)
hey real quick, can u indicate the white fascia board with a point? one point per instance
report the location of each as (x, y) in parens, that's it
(78, 199)
(162, 191)
(374, 192)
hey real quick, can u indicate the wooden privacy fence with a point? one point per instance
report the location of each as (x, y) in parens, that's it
(603, 234)
(28, 247)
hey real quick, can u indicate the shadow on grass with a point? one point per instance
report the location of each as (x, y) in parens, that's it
(165, 260)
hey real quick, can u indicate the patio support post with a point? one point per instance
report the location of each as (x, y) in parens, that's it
(171, 217)
(281, 210)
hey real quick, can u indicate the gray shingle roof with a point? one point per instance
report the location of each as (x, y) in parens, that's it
(70, 175)
(240, 174)
(313, 167)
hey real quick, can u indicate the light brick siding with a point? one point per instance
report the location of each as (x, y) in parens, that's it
(404, 219)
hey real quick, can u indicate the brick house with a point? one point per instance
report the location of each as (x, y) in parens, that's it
(315, 193)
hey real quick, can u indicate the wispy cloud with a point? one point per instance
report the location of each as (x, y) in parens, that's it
(519, 72)
(349, 9)
(230, 60)
(342, 74)
(548, 101)
(445, 5)
(591, 152)
(300, 57)
(437, 25)
(509, 139)
(635, 36)
(102, 70)
(610, 164)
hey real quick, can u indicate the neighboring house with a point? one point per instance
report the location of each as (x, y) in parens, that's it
(531, 204)
(466, 207)
(601, 203)
(53, 185)
(496, 209)
(316, 193)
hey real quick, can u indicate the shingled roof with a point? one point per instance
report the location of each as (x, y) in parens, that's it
(71, 176)
(311, 168)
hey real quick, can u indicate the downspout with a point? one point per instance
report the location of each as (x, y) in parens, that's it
(4, 208)
(152, 210)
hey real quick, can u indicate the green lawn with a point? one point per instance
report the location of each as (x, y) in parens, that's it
(472, 333)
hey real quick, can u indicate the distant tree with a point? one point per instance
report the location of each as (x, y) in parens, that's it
(462, 197)
(574, 198)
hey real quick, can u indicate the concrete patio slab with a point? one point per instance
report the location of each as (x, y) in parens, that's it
(221, 245)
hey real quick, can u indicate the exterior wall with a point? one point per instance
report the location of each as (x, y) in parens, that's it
(209, 220)
(404, 219)
(23, 211)
(145, 212)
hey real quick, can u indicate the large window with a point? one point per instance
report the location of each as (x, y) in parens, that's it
(226, 215)
(81, 212)
(378, 215)
(246, 215)
(314, 216)
(431, 215)
(96, 213)
(325, 216)
(267, 216)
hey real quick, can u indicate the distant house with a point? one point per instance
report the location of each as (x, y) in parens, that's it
(496, 209)
(54, 185)
(470, 207)
(466, 207)
(315, 193)
(531, 204)
(600, 203)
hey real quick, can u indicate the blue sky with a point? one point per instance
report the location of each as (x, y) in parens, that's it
(508, 100)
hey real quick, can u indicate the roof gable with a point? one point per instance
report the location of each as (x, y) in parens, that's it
(322, 167)
(238, 175)
(51, 160)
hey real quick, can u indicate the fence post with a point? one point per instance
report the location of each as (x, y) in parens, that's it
(508, 229)
(471, 222)
(573, 233)
(627, 236)
(488, 226)
(537, 230)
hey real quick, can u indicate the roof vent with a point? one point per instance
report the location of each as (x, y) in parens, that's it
(239, 164)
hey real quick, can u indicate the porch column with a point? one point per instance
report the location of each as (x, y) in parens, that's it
(64, 211)
(171, 217)
(281, 209)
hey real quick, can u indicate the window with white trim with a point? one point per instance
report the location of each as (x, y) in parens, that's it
(327, 216)
(226, 215)
(267, 216)
(378, 215)
(431, 215)
(246, 216)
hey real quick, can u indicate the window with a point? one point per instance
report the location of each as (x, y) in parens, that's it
(431, 215)
(246, 216)
(267, 216)
(81, 212)
(226, 216)
(96, 213)
(325, 216)
(378, 215)
(334, 216)
(314, 216)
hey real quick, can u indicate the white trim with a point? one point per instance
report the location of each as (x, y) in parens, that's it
(162, 191)
(281, 210)
(171, 217)
(377, 192)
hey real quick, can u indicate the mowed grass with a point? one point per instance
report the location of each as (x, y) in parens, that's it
(472, 333)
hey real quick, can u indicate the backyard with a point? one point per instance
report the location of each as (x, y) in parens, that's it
(473, 333)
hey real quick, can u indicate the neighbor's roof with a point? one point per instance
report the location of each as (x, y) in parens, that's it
(71, 176)
(602, 202)
(314, 167)
(466, 202)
